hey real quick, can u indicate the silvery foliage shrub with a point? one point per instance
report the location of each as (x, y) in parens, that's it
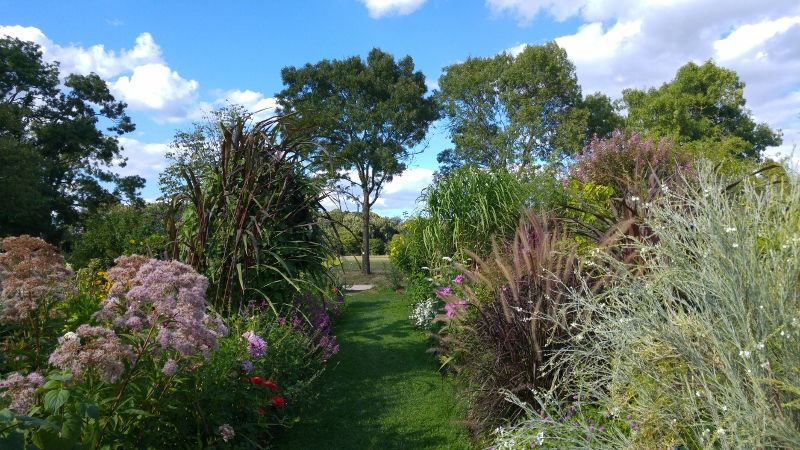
(697, 347)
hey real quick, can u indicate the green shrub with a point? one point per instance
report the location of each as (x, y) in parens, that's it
(696, 346)
(120, 230)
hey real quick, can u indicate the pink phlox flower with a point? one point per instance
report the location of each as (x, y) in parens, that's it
(256, 346)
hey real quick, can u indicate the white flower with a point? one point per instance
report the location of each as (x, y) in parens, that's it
(540, 438)
(724, 408)
(426, 268)
(70, 335)
(765, 365)
(635, 199)
(730, 229)
(697, 393)
(760, 346)
(783, 333)
(447, 259)
(735, 245)
(744, 354)
(720, 431)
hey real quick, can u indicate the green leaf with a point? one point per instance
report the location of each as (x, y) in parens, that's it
(137, 412)
(50, 440)
(54, 400)
(13, 441)
(88, 409)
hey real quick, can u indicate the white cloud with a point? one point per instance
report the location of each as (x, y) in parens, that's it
(81, 60)
(157, 88)
(639, 44)
(749, 37)
(144, 159)
(398, 196)
(381, 8)
(257, 103)
(138, 76)
(527, 10)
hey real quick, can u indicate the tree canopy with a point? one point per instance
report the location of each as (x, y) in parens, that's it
(702, 104)
(510, 111)
(364, 116)
(55, 158)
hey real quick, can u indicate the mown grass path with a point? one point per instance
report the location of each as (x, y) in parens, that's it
(382, 390)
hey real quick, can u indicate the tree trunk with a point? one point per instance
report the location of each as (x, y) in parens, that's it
(365, 235)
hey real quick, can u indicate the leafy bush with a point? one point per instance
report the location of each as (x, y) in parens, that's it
(153, 367)
(696, 347)
(121, 230)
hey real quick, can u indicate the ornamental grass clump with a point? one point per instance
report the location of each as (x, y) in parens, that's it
(502, 335)
(697, 347)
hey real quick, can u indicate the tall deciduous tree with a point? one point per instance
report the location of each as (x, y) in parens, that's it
(703, 104)
(511, 111)
(55, 156)
(366, 116)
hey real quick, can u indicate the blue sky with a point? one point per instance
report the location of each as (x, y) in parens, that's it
(171, 61)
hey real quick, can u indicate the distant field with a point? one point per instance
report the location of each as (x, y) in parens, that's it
(350, 270)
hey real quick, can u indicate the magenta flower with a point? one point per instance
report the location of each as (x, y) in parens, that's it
(445, 291)
(458, 279)
(451, 307)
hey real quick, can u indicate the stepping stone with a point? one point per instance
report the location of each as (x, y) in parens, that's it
(359, 287)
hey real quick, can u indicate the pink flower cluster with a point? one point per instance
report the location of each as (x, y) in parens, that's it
(21, 390)
(94, 348)
(31, 271)
(168, 294)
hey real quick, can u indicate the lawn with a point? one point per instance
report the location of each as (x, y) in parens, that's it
(382, 390)
(349, 272)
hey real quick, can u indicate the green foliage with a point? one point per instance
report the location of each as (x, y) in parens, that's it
(55, 159)
(364, 116)
(159, 397)
(509, 111)
(407, 250)
(246, 216)
(343, 228)
(705, 104)
(699, 337)
(466, 209)
(120, 230)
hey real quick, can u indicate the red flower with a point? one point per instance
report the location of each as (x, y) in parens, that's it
(269, 384)
(277, 401)
(256, 380)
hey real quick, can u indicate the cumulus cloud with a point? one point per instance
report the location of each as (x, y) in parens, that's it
(257, 103)
(138, 76)
(381, 8)
(398, 196)
(638, 44)
(157, 88)
(146, 159)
